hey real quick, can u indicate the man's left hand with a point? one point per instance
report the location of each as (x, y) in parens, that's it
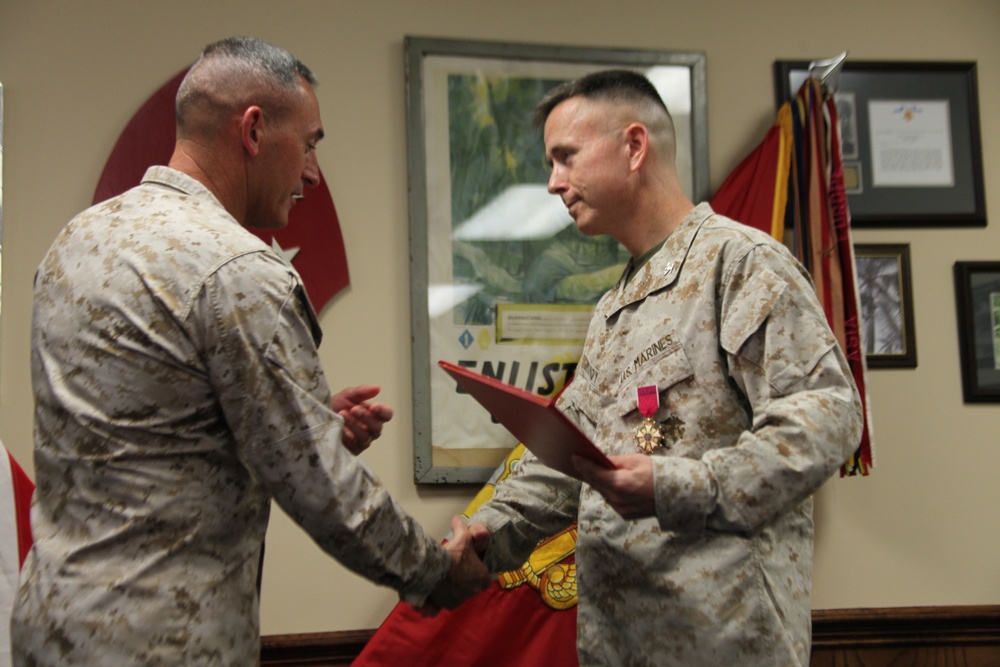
(628, 488)
(363, 420)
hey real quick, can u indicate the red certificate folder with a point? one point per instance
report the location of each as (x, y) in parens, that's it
(533, 420)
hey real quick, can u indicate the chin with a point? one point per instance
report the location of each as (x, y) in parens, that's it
(265, 225)
(587, 229)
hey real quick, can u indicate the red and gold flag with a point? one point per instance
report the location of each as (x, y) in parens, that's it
(792, 186)
(526, 617)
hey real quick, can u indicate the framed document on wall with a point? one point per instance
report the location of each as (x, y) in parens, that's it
(910, 141)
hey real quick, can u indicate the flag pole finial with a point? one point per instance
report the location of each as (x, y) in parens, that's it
(828, 72)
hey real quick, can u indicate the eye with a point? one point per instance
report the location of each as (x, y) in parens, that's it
(562, 156)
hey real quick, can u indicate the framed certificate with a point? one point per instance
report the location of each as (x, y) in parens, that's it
(910, 141)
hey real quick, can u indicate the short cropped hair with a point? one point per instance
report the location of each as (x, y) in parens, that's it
(237, 72)
(616, 85)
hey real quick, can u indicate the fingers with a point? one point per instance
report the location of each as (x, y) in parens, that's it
(480, 537)
(461, 536)
(628, 488)
(467, 575)
(363, 421)
(352, 396)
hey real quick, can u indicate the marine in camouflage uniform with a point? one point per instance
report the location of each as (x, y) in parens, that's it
(756, 409)
(178, 390)
(170, 409)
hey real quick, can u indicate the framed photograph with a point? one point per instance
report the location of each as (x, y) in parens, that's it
(911, 141)
(502, 281)
(977, 297)
(886, 294)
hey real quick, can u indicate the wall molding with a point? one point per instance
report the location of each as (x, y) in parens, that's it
(909, 626)
(870, 637)
(313, 649)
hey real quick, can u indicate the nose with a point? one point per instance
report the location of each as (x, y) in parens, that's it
(310, 174)
(557, 181)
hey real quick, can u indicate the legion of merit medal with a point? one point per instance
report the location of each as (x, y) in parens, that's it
(648, 436)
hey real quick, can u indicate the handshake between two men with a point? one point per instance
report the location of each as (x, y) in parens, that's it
(627, 487)
(467, 575)
(363, 423)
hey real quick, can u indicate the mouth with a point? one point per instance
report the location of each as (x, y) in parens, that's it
(297, 197)
(570, 205)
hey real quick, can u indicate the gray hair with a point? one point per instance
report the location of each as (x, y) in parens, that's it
(235, 73)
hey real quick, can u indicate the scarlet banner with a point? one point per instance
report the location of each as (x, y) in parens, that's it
(527, 617)
(794, 178)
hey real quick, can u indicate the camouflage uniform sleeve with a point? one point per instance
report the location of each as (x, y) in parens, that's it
(805, 407)
(263, 363)
(533, 503)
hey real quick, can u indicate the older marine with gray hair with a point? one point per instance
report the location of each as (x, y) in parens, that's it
(178, 390)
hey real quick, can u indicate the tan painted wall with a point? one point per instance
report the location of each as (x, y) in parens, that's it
(922, 530)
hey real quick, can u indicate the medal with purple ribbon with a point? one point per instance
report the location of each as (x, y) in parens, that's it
(648, 436)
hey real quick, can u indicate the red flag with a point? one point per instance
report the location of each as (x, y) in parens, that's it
(796, 174)
(312, 241)
(527, 617)
(16, 489)
(15, 539)
(756, 191)
(863, 459)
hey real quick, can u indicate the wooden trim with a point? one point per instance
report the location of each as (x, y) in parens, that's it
(326, 649)
(907, 626)
(877, 636)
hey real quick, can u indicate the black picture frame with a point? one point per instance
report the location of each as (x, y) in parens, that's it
(977, 300)
(885, 290)
(930, 171)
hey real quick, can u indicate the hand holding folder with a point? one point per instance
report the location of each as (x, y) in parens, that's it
(533, 420)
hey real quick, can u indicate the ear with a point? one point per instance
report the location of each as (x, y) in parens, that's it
(637, 145)
(252, 129)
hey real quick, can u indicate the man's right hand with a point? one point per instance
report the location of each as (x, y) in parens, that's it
(467, 575)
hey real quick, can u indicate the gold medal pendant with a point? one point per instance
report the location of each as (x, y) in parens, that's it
(648, 436)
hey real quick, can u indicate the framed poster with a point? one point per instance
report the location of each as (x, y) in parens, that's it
(911, 141)
(502, 281)
(886, 293)
(1, 173)
(977, 298)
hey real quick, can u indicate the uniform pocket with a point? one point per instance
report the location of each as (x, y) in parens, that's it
(747, 313)
(665, 372)
(776, 330)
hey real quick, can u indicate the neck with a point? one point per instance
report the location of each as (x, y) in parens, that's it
(656, 220)
(212, 169)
